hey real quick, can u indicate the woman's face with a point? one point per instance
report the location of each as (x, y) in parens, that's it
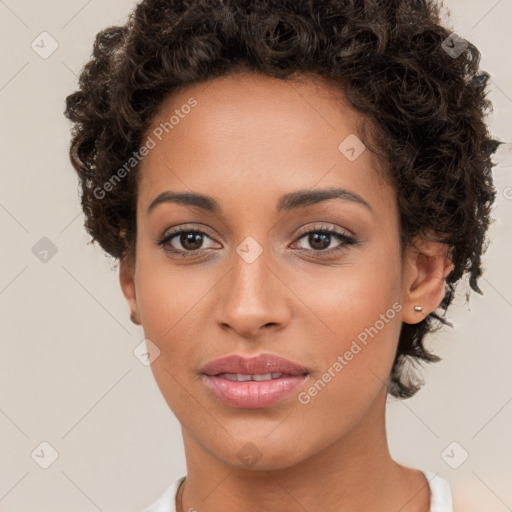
(262, 277)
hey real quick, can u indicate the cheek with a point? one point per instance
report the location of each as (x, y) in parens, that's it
(166, 295)
(343, 301)
(356, 327)
(168, 309)
(356, 366)
(169, 306)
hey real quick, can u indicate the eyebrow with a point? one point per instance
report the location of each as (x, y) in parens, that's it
(287, 202)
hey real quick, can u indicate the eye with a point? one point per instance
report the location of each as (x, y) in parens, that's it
(320, 240)
(191, 241)
(188, 241)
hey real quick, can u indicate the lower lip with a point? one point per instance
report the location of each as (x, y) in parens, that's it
(253, 394)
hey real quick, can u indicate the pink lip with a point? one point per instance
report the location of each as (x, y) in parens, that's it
(263, 363)
(253, 394)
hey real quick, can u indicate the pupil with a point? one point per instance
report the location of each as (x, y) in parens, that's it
(324, 240)
(195, 239)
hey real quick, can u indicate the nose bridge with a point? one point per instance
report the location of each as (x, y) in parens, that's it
(251, 279)
(252, 295)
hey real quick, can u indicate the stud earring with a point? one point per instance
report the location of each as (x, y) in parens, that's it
(418, 308)
(133, 318)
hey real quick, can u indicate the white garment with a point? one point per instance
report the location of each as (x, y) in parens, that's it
(440, 495)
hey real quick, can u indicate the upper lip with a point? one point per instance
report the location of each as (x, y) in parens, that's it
(259, 365)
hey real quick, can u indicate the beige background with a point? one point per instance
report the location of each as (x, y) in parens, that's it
(68, 375)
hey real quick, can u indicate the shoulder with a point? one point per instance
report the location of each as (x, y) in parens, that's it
(440, 493)
(167, 500)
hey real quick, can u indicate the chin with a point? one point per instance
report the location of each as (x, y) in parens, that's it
(259, 455)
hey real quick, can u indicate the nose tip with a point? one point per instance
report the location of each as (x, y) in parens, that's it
(253, 299)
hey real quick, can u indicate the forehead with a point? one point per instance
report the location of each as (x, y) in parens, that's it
(256, 134)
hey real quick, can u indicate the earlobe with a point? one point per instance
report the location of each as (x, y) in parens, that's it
(127, 282)
(424, 284)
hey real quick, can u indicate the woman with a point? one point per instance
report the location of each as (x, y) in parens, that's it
(293, 190)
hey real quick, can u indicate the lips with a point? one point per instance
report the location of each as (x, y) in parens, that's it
(266, 365)
(253, 383)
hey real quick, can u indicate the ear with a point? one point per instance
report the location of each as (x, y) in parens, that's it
(127, 281)
(427, 264)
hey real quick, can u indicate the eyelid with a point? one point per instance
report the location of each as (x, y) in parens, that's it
(326, 227)
(187, 227)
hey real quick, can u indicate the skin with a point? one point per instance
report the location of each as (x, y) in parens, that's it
(250, 139)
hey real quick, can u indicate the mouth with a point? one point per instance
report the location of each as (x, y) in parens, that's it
(242, 377)
(253, 383)
(263, 365)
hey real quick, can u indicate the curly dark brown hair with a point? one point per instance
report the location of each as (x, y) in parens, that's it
(393, 59)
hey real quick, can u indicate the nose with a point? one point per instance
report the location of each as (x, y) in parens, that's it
(252, 299)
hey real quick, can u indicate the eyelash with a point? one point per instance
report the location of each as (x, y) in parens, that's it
(345, 240)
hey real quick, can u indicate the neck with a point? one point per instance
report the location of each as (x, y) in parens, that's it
(354, 473)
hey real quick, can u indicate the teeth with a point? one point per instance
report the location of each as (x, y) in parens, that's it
(240, 377)
(266, 376)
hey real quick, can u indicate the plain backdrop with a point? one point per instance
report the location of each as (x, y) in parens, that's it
(68, 375)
